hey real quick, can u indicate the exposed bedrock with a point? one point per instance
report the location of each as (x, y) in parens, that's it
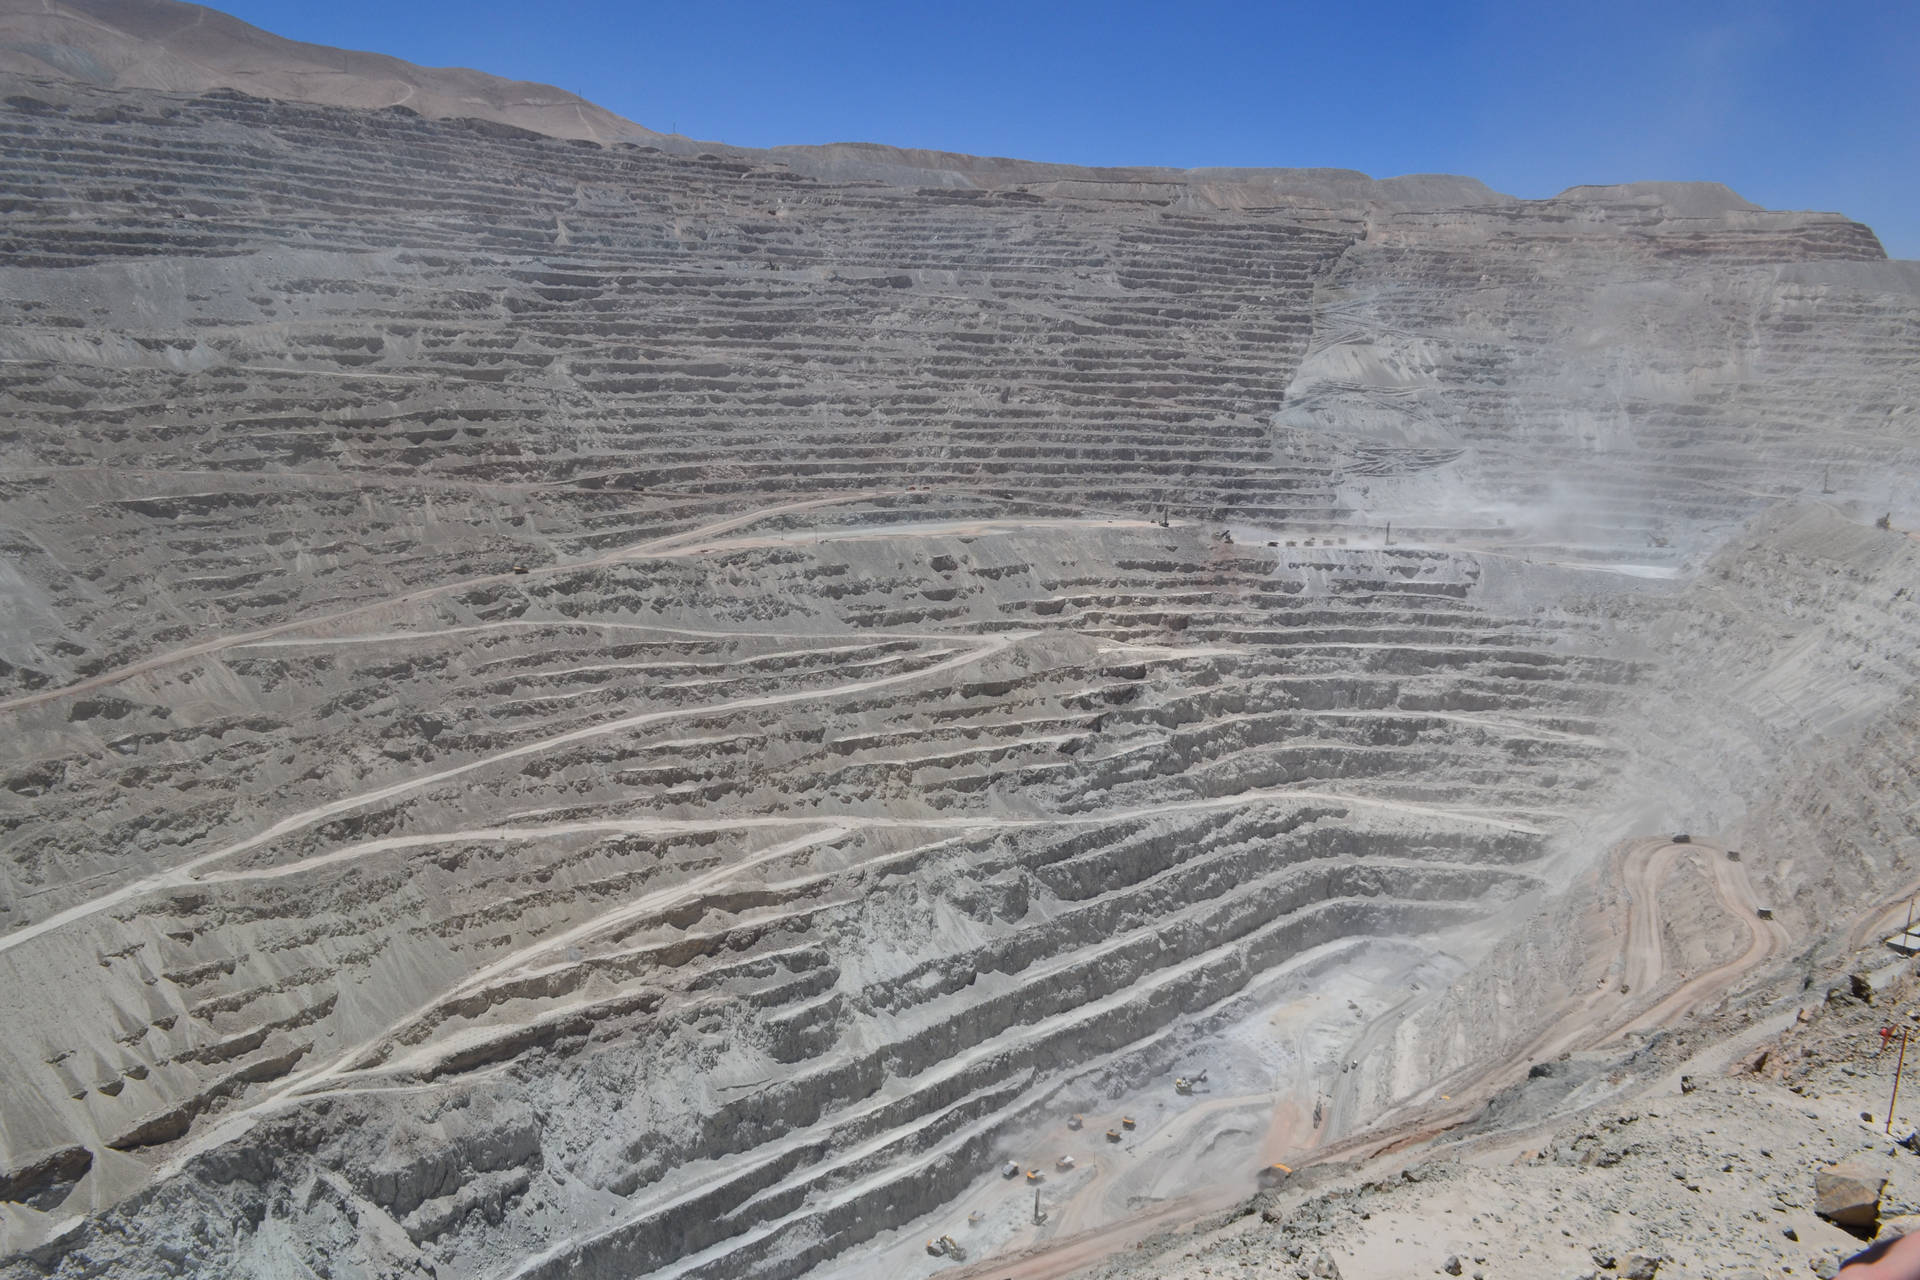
(574, 710)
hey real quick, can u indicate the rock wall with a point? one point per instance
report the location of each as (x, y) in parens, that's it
(576, 710)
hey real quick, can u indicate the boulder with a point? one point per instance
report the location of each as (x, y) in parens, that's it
(1847, 1194)
(1641, 1266)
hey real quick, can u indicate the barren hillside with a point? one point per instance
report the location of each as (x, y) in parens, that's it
(579, 710)
(188, 48)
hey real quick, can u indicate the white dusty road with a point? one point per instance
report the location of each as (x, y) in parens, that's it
(963, 650)
(698, 541)
(967, 822)
(686, 542)
(971, 650)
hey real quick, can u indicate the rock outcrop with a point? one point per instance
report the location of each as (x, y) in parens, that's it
(1848, 1193)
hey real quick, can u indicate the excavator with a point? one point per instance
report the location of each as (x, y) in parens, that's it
(947, 1247)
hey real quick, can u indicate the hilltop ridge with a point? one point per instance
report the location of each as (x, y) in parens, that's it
(177, 47)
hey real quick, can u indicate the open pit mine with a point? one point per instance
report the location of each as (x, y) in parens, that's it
(580, 704)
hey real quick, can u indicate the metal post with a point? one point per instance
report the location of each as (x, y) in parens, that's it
(1038, 1217)
(1896, 1078)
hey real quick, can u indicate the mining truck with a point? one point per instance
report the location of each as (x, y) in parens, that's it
(1273, 1175)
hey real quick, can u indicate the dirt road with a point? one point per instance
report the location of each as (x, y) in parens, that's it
(969, 650)
(1735, 893)
(671, 544)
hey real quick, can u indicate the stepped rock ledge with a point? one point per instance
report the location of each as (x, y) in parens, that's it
(580, 703)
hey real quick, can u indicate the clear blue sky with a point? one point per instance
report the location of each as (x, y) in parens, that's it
(1795, 104)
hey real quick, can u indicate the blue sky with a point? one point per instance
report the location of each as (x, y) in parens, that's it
(1794, 104)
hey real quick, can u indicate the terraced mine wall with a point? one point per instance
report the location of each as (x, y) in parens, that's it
(580, 711)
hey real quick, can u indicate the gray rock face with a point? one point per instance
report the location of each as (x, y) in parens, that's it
(579, 711)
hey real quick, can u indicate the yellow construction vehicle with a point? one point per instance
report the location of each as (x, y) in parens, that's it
(1273, 1175)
